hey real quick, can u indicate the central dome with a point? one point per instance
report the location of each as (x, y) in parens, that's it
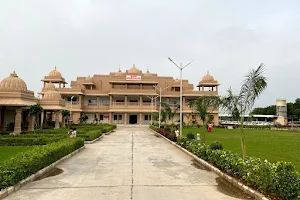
(13, 83)
(55, 73)
(134, 70)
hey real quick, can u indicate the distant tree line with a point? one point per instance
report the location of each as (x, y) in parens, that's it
(293, 110)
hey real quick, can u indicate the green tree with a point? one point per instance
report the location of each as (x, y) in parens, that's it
(170, 112)
(35, 110)
(253, 85)
(66, 116)
(201, 106)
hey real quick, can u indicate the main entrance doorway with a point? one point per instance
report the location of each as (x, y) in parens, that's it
(132, 119)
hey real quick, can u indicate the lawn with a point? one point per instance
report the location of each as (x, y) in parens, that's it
(266, 144)
(8, 151)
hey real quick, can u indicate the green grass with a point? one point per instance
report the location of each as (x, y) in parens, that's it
(265, 144)
(8, 151)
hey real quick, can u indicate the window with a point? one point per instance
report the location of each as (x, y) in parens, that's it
(101, 117)
(177, 89)
(105, 102)
(115, 117)
(146, 117)
(92, 101)
(120, 117)
(74, 99)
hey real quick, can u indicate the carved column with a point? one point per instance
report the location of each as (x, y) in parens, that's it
(98, 102)
(18, 121)
(110, 118)
(125, 100)
(140, 121)
(141, 101)
(56, 120)
(110, 100)
(125, 118)
(42, 119)
(31, 123)
(3, 123)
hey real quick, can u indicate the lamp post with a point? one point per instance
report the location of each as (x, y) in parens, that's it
(71, 119)
(160, 90)
(152, 98)
(180, 68)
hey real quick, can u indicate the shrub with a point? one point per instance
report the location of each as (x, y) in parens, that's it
(24, 164)
(91, 135)
(278, 179)
(190, 136)
(216, 146)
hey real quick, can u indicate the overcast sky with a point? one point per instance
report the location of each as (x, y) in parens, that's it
(86, 37)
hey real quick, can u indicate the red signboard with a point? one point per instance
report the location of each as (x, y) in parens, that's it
(133, 78)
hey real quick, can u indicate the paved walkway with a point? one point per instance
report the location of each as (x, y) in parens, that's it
(131, 163)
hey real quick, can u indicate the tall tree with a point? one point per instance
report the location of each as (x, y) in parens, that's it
(35, 110)
(253, 85)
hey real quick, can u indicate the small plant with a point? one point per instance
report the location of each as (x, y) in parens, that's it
(190, 136)
(216, 146)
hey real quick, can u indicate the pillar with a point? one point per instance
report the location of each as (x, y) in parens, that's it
(3, 123)
(80, 101)
(59, 85)
(31, 123)
(18, 121)
(183, 102)
(141, 86)
(98, 102)
(110, 100)
(216, 88)
(110, 118)
(56, 120)
(98, 117)
(125, 100)
(125, 118)
(140, 121)
(141, 101)
(42, 119)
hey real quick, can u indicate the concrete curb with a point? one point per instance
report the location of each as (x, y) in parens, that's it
(233, 181)
(95, 140)
(12, 189)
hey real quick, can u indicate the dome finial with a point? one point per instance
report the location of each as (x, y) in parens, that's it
(54, 67)
(14, 74)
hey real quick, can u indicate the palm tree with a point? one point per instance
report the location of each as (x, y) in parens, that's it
(34, 111)
(170, 112)
(202, 105)
(239, 105)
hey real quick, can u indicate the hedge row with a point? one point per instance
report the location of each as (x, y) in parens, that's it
(166, 133)
(90, 135)
(25, 164)
(279, 179)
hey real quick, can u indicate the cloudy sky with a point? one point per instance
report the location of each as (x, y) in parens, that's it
(86, 37)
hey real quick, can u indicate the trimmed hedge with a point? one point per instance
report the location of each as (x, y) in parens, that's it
(165, 133)
(25, 164)
(30, 139)
(90, 135)
(279, 179)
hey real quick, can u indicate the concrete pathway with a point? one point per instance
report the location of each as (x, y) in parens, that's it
(130, 163)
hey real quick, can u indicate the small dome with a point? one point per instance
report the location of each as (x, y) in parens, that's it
(133, 70)
(208, 78)
(55, 73)
(52, 95)
(119, 72)
(148, 73)
(13, 83)
(49, 86)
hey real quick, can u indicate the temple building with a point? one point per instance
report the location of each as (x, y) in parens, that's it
(126, 97)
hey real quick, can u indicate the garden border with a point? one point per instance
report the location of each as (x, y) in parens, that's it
(95, 140)
(10, 190)
(233, 181)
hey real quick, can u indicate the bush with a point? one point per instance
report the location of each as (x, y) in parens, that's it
(190, 136)
(91, 135)
(278, 179)
(216, 146)
(29, 141)
(24, 164)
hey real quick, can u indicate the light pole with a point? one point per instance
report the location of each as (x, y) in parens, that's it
(181, 68)
(71, 119)
(152, 98)
(160, 90)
